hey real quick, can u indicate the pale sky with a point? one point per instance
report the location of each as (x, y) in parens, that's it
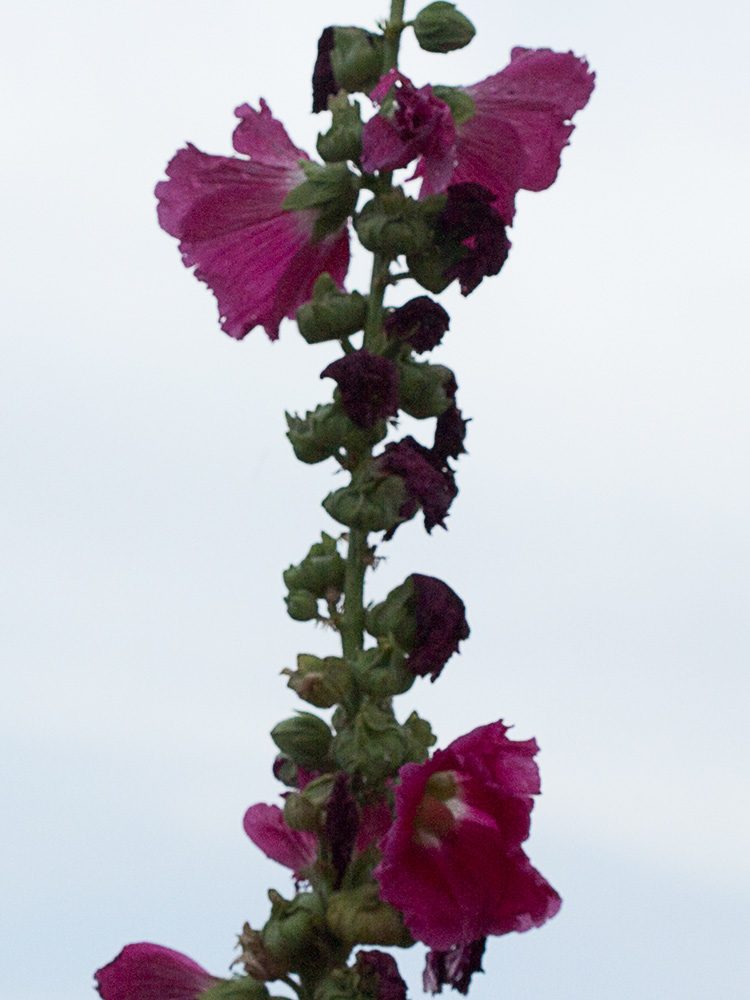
(600, 539)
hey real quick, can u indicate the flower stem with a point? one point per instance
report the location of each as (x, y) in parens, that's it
(393, 29)
(352, 625)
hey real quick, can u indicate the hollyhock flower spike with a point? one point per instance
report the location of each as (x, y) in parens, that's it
(260, 261)
(151, 972)
(452, 861)
(519, 127)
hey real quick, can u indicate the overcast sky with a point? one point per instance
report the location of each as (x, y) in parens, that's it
(600, 540)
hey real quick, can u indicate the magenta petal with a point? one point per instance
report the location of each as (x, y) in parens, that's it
(266, 827)
(259, 261)
(150, 972)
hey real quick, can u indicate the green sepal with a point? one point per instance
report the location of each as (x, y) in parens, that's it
(418, 738)
(321, 571)
(331, 314)
(306, 739)
(370, 505)
(461, 104)
(371, 746)
(320, 682)
(332, 189)
(301, 606)
(359, 916)
(381, 671)
(343, 141)
(239, 988)
(357, 59)
(392, 224)
(322, 433)
(395, 617)
(439, 27)
(296, 933)
(304, 810)
(422, 389)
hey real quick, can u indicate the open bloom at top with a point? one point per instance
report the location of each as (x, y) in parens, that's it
(260, 261)
(519, 127)
(151, 972)
(452, 860)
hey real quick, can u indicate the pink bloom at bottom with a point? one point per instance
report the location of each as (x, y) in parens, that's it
(150, 972)
(259, 260)
(452, 861)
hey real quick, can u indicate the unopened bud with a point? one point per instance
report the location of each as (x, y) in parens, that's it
(295, 932)
(392, 224)
(442, 28)
(371, 506)
(320, 570)
(359, 916)
(343, 141)
(305, 738)
(356, 58)
(331, 314)
(301, 606)
(422, 389)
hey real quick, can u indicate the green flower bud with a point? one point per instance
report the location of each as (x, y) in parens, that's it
(302, 606)
(392, 224)
(306, 739)
(370, 506)
(442, 28)
(332, 189)
(343, 141)
(240, 988)
(300, 813)
(382, 672)
(422, 389)
(327, 430)
(331, 314)
(357, 59)
(341, 984)
(359, 916)
(395, 617)
(322, 683)
(372, 746)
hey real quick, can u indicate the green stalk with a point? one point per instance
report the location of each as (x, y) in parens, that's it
(353, 619)
(393, 29)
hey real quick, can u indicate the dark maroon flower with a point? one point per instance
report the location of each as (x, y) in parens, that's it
(441, 624)
(450, 429)
(150, 972)
(454, 967)
(266, 827)
(382, 966)
(323, 81)
(421, 322)
(260, 261)
(470, 219)
(427, 485)
(419, 125)
(342, 822)
(519, 127)
(368, 385)
(452, 861)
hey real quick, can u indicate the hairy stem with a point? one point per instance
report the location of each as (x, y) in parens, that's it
(353, 619)
(393, 30)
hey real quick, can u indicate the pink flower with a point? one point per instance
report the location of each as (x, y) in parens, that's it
(452, 861)
(150, 972)
(260, 261)
(519, 127)
(421, 125)
(268, 830)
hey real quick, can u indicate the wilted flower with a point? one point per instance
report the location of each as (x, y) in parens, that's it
(519, 126)
(454, 967)
(427, 485)
(368, 385)
(419, 125)
(260, 260)
(440, 625)
(266, 827)
(452, 861)
(420, 322)
(150, 972)
(379, 976)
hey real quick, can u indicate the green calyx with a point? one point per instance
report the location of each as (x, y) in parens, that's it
(371, 502)
(461, 104)
(321, 571)
(422, 389)
(320, 682)
(392, 224)
(359, 916)
(343, 141)
(331, 314)
(381, 671)
(239, 988)
(439, 27)
(394, 619)
(332, 189)
(326, 431)
(296, 934)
